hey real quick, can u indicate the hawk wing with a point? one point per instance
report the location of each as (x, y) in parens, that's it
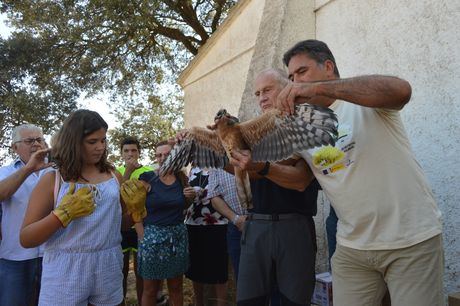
(201, 147)
(274, 136)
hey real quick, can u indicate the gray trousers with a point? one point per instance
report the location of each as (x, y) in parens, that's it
(281, 252)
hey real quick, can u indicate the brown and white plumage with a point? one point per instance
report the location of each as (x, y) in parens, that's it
(274, 137)
(270, 137)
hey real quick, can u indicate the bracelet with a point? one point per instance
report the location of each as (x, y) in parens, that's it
(235, 219)
(265, 169)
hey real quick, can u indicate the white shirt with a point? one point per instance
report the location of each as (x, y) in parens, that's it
(14, 210)
(381, 196)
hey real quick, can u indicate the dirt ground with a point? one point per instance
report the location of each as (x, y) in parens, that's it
(131, 298)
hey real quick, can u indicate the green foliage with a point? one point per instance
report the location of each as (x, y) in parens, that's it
(129, 49)
(152, 121)
(28, 93)
(119, 44)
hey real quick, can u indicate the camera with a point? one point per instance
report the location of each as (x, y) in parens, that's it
(50, 158)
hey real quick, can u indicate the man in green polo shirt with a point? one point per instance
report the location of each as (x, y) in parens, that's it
(130, 152)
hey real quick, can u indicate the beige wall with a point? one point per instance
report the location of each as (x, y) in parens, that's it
(216, 77)
(284, 22)
(416, 40)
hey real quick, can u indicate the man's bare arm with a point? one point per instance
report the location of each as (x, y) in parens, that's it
(222, 208)
(372, 91)
(12, 183)
(375, 91)
(296, 176)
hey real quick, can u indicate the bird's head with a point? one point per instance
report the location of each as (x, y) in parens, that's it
(221, 113)
(223, 116)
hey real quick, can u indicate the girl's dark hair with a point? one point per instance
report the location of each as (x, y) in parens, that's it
(67, 146)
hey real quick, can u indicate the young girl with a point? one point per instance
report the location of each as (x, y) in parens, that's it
(76, 211)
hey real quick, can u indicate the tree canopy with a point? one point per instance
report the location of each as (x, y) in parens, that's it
(28, 93)
(118, 44)
(151, 121)
(127, 48)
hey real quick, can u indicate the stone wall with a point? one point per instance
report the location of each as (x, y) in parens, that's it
(216, 77)
(416, 40)
(284, 22)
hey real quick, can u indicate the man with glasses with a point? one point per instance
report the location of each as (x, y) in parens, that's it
(17, 181)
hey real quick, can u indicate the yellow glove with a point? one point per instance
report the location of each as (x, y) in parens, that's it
(75, 205)
(134, 194)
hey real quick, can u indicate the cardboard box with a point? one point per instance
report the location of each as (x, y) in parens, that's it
(322, 295)
(454, 299)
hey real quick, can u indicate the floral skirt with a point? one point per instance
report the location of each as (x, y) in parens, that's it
(163, 253)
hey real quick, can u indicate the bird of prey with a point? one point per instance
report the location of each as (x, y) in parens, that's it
(273, 136)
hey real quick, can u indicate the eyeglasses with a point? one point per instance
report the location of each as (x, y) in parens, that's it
(31, 141)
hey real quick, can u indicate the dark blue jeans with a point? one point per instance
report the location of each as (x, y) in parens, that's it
(23, 281)
(234, 247)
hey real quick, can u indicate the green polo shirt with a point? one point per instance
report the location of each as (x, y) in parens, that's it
(136, 173)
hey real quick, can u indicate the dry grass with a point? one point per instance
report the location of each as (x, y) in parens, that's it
(131, 298)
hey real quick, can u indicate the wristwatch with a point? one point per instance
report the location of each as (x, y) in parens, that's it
(265, 169)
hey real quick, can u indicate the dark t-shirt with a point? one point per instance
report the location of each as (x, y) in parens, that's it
(165, 203)
(269, 198)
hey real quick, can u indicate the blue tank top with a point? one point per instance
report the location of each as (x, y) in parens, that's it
(165, 203)
(98, 231)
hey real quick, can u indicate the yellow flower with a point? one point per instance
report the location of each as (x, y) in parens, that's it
(327, 156)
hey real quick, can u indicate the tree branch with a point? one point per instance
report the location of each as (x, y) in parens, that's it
(219, 10)
(178, 36)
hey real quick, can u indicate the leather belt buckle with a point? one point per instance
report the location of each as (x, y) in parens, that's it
(275, 217)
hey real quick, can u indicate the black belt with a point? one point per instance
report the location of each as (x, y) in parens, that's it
(273, 217)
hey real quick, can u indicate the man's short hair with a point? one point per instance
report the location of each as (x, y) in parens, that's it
(280, 75)
(16, 135)
(130, 140)
(315, 49)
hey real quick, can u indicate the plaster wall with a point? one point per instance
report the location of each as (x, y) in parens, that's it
(420, 42)
(218, 89)
(216, 77)
(415, 40)
(284, 22)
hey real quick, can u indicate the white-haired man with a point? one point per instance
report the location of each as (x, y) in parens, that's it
(279, 245)
(17, 181)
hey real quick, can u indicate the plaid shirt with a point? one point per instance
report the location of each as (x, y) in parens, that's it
(222, 184)
(201, 211)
